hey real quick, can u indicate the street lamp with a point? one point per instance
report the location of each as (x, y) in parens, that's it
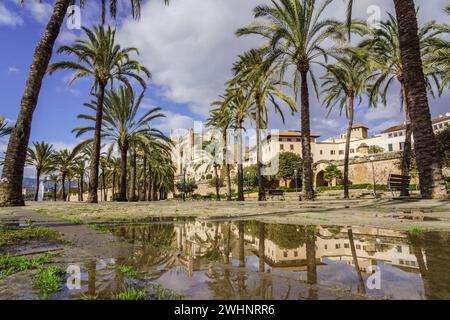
(372, 159)
(295, 173)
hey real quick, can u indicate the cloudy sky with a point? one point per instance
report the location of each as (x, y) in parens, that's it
(189, 47)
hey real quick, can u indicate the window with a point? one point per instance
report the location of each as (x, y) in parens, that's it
(440, 125)
(269, 148)
(401, 145)
(298, 140)
(289, 139)
(332, 152)
(395, 134)
(292, 147)
(285, 254)
(338, 246)
(390, 135)
(346, 245)
(435, 127)
(281, 139)
(341, 152)
(281, 146)
(390, 147)
(399, 249)
(295, 254)
(358, 246)
(325, 247)
(352, 150)
(400, 133)
(321, 151)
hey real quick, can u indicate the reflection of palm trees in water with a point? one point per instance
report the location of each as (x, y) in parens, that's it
(311, 268)
(241, 244)
(261, 247)
(361, 286)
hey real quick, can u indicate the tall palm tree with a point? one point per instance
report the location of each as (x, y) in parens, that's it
(220, 118)
(99, 56)
(124, 127)
(432, 184)
(344, 82)
(296, 34)
(259, 79)
(80, 171)
(210, 158)
(64, 163)
(41, 157)
(12, 175)
(4, 128)
(241, 110)
(383, 48)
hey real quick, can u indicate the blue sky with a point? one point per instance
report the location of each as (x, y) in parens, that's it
(189, 47)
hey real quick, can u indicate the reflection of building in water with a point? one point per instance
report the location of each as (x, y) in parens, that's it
(371, 245)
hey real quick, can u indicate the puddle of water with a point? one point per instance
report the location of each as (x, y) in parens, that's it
(253, 260)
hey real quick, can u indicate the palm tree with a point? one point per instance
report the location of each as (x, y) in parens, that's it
(4, 128)
(64, 163)
(432, 184)
(211, 157)
(12, 175)
(16, 152)
(55, 179)
(296, 35)
(383, 48)
(123, 127)
(80, 171)
(41, 157)
(241, 110)
(258, 78)
(135, 9)
(102, 58)
(220, 118)
(345, 81)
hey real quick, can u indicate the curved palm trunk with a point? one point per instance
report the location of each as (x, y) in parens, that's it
(226, 165)
(133, 175)
(94, 165)
(38, 176)
(261, 191)
(308, 183)
(347, 147)
(431, 180)
(11, 187)
(240, 168)
(216, 174)
(123, 173)
(361, 286)
(407, 148)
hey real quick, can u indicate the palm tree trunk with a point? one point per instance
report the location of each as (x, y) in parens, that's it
(361, 286)
(226, 165)
(407, 148)
(81, 187)
(144, 184)
(133, 175)
(55, 190)
(240, 168)
(241, 244)
(63, 180)
(311, 266)
(68, 191)
(261, 191)
(216, 175)
(308, 184)
(123, 173)
(12, 176)
(262, 245)
(105, 195)
(38, 175)
(113, 184)
(149, 195)
(94, 165)
(431, 180)
(347, 147)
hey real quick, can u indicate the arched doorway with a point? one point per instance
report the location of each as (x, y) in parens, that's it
(320, 180)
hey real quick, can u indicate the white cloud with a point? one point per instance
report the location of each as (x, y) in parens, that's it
(384, 125)
(190, 46)
(40, 11)
(13, 69)
(9, 18)
(173, 121)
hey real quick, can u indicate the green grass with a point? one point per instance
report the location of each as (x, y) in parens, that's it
(41, 211)
(128, 271)
(12, 264)
(415, 231)
(15, 235)
(74, 220)
(161, 293)
(132, 294)
(48, 281)
(99, 227)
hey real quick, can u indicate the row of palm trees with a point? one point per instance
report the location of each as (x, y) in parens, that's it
(296, 37)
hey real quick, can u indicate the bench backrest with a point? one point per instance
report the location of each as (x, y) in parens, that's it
(396, 181)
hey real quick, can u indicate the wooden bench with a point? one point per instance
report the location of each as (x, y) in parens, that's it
(396, 182)
(276, 193)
